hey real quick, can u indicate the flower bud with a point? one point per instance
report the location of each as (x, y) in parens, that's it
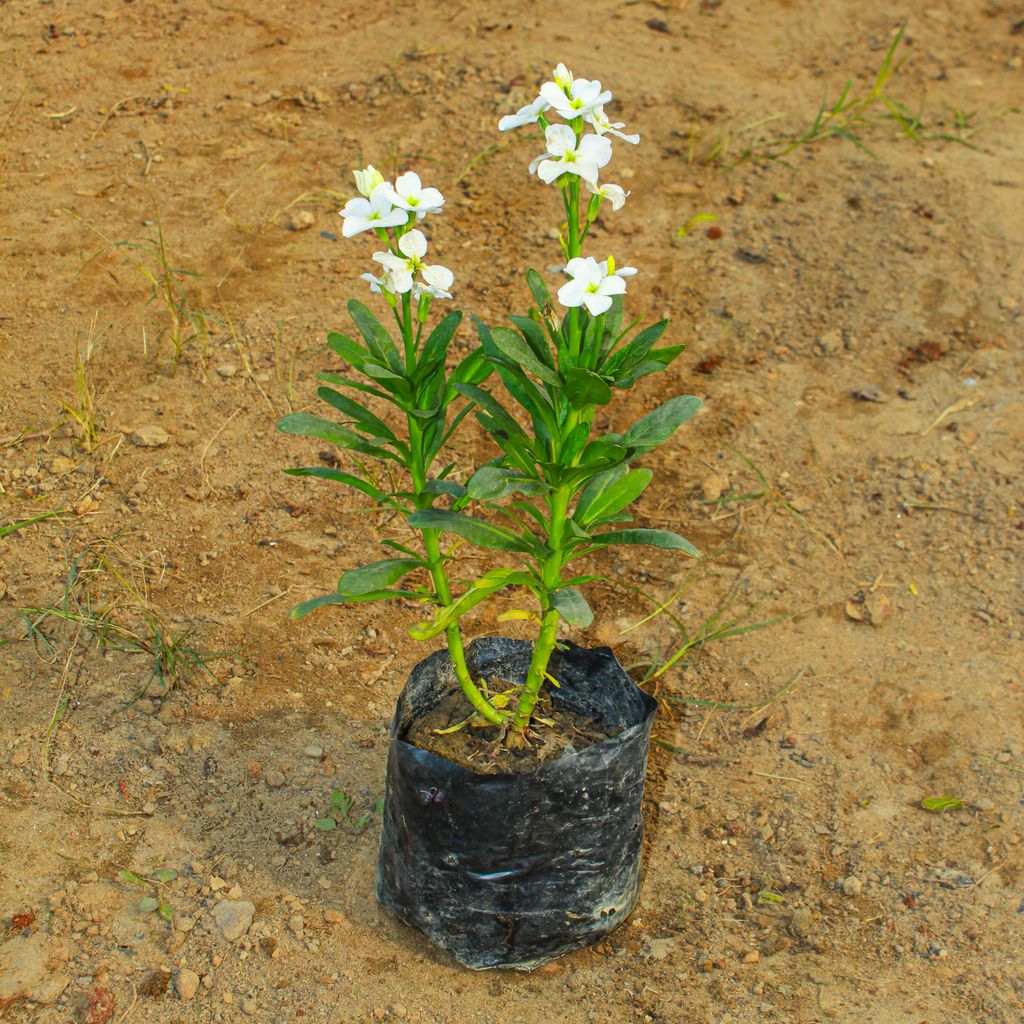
(367, 180)
(595, 205)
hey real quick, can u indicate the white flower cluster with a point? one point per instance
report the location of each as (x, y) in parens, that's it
(574, 151)
(381, 206)
(569, 150)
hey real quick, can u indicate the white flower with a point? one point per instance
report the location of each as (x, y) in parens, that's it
(436, 282)
(615, 194)
(572, 98)
(593, 284)
(401, 269)
(375, 212)
(600, 123)
(525, 115)
(562, 76)
(408, 193)
(564, 157)
(377, 284)
(367, 180)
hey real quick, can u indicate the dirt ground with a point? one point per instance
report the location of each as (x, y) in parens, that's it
(854, 327)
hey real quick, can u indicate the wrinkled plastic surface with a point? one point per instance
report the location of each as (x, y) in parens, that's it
(513, 870)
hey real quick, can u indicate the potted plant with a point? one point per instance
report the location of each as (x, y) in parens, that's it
(512, 825)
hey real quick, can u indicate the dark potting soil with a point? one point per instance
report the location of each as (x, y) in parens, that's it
(482, 749)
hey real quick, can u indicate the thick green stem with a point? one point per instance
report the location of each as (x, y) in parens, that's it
(456, 652)
(538, 669)
(558, 508)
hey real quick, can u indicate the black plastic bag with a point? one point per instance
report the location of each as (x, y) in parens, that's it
(514, 870)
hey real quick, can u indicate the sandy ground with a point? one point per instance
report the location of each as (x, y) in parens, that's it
(854, 326)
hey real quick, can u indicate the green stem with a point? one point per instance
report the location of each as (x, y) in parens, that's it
(542, 652)
(594, 357)
(407, 335)
(439, 578)
(573, 238)
(456, 652)
(558, 510)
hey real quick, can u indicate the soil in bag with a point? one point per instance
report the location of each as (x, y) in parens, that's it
(512, 868)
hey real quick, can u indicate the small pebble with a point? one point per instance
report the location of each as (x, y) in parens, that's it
(851, 886)
(150, 437)
(187, 983)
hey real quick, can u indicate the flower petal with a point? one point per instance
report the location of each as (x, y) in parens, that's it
(430, 199)
(408, 184)
(571, 294)
(438, 276)
(413, 244)
(595, 148)
(356, 208)
(354, 225)
(612, 285)
(551, 170)
(597, 303)
(561, 139)
(553, 95)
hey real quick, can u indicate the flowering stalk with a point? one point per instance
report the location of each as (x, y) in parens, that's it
(570, 487)
(415, 381)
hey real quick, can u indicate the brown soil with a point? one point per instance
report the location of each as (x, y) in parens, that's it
(481, 748)
(854, 326)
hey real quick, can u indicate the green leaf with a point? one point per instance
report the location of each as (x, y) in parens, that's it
(148, 904)
(325, 824)
(166, 875)
(572, 606)
(10, 528)
(441, 337)
(657, 427)
(316, 602)
(305, 424)
(585, 387)
(491, 483)
(325, 473)
(165, 910)
(574, 443)
(351, 351)
(633, 353)
(376, 337)
(653, 538)
(490, 583)
(612, 325)
(341, 381)
(535, 337)
(357, 413)
(610, 492)
(938, 804)
(517, 350)
(539, 290)
(444, 487)
(493, 407)
(341, 802)
(656, 361)
(474, 369)
(131, 876)
(476, 531)
(334, 598)
(376, 576)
